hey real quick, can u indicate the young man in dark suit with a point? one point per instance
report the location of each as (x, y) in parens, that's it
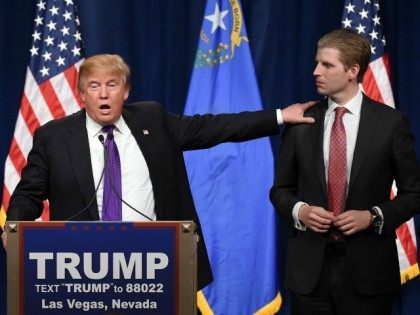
(67, 158)
(332, 187)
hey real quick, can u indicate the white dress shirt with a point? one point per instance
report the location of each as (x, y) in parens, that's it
(137, 189)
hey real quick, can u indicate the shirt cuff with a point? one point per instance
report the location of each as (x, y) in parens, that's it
(279, 117)
(295, 214)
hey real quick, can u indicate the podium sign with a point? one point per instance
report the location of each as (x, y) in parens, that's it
(101, 268)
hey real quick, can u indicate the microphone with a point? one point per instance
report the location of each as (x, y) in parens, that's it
(108, 177)
(101, 139)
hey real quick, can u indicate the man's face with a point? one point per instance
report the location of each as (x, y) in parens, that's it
(104, 95)
(332, 79)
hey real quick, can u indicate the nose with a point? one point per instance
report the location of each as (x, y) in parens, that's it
(316, 70)
(103, 92)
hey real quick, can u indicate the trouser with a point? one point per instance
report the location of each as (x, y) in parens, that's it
(335, 293)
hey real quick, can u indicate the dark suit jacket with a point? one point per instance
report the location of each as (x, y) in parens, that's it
(59, 165)
(384, 151)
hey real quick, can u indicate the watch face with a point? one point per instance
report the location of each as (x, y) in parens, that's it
(376, 220)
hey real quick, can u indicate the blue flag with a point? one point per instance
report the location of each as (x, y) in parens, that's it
(230, 183)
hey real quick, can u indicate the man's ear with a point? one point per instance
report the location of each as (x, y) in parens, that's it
(353, 71)
(82, 96)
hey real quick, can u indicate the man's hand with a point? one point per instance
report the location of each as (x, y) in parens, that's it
(4, 239)
(316, 218)
(293, 114)
(352, 221)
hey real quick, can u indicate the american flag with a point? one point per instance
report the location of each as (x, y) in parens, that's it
(50, 87)
(363, 16)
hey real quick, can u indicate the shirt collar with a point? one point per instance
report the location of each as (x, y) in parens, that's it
(353, 106)
(94, 129)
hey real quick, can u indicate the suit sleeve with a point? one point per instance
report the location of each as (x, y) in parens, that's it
(283, 194)
(204, 131)
(26, 202)
(406, 170)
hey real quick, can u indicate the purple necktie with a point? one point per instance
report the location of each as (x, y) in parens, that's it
(112, 205)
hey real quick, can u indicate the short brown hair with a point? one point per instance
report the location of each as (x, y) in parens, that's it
(113, 63)
(353, 48)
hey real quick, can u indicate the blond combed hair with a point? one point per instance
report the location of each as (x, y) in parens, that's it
(113, 64)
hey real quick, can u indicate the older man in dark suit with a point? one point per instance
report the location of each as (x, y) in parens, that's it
(66, 165)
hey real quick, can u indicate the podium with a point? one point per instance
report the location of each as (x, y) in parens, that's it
(101, 267)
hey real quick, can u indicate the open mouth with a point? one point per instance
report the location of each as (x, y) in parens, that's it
(105, 109)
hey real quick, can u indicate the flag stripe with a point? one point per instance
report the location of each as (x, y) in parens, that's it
(11, 178)
(35, 98)
(381, 75)
(64, 94)
(407, 242)
(51, 99)
(23, 135)
(18, 159)
(71, 76)
(28, 115)
(370, 86)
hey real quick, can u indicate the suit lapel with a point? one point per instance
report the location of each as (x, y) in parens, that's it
(78, 148)
(364, 137)
(318, 142)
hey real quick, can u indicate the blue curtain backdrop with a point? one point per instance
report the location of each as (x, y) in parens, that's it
(158, 39)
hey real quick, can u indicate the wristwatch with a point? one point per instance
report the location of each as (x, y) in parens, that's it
(376, 220)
